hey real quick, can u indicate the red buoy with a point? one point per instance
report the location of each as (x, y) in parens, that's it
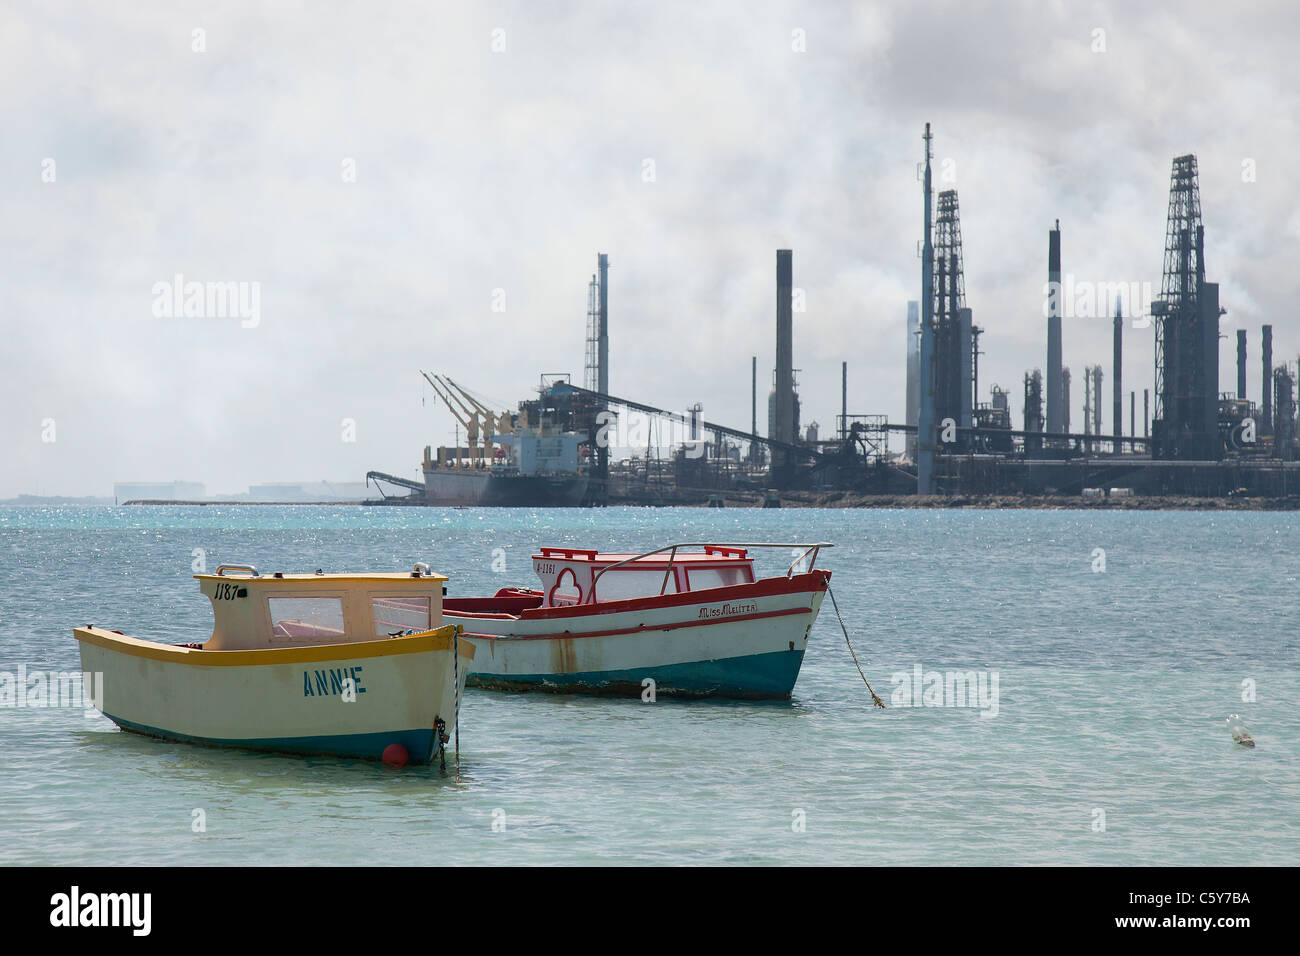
(395, 755)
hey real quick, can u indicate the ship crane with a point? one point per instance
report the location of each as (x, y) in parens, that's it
(496, 424)
(491, 422)
(476, 420)
(469, 419)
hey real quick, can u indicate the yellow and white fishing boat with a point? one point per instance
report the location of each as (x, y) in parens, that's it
(352, 665)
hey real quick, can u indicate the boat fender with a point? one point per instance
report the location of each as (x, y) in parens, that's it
(395, 755)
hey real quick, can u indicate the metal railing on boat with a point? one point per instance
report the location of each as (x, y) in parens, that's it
(810, 552)
(246, 568)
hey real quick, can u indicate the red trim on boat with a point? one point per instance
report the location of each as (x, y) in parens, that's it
(642, 628)
(721, 556)
(767, 587)
(506, 605)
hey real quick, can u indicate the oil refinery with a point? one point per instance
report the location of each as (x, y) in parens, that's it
(574, 444)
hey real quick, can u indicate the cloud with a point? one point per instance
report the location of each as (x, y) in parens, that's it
(479, 170)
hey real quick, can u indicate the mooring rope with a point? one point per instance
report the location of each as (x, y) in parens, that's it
(874, 699)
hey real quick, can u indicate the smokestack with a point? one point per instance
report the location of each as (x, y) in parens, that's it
(602, 355)
(1096, 399)
(1207, 304)
(966, 346)
(785, 426)
(1132, 417)
(844, 400)
(1117, 426)
(1241, 363)
(602, 385)
(1146, 413)
(753, 400)
(1057, 414)
(925, 436)
(1065, 399)
(913, 373)
(1087, 400)
(1266, 406)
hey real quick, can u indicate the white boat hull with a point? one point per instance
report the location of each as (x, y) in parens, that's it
(293, 700)
(745, 641)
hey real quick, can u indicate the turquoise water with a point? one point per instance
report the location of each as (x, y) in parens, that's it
(1113, 687)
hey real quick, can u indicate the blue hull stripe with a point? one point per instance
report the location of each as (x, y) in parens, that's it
(754, 677)
(418, 743)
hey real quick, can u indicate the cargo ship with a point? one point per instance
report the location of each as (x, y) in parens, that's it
(532, 458)
(530, 478)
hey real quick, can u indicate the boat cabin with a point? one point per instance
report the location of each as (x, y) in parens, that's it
(572, 576)
(255, 611)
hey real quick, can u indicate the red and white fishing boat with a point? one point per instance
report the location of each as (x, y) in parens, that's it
(686, 620)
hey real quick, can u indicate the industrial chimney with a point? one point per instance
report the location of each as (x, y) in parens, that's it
(602, 355)
(1266, 406)
(1056, 414)
(913, 402)
(1065, 400)
(925, 436)
(784, 398)
(1241, 363)
(1118, 358)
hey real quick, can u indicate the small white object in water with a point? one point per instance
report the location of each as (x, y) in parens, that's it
(1239, 732)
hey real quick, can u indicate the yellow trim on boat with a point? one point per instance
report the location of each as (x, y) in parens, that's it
(298, 577)
(439, 639)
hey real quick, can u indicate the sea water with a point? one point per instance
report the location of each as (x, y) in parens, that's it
(1057, 684)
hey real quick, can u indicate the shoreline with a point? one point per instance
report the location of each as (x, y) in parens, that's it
(836, 499)
(1040, 502)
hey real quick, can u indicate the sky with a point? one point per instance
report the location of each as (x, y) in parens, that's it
(425, 185)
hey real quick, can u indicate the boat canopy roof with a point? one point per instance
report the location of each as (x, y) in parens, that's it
(310, 580)
(253, 610)
(710, 553)
(572, 576)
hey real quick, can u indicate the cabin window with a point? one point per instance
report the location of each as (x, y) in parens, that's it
(697, 579)
(621, 583)
(400, 614)
(306, 619)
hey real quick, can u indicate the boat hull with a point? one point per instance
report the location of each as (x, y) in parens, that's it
(743, 642)
(753, 677)
(364, 746)
(286, 700)
(449, 486)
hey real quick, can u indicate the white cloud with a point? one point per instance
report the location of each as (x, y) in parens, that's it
(479, 170)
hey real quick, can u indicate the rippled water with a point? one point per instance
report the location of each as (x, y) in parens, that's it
(1113, 689)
